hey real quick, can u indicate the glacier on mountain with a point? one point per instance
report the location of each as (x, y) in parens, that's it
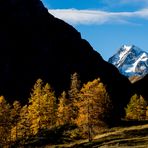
(131, 61)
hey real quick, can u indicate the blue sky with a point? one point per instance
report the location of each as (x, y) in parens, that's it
(105, 24)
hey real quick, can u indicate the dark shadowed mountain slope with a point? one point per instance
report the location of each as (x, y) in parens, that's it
(141, 87)
(34, 44)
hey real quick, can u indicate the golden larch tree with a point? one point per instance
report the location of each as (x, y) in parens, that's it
(42, 107)
(94, 108)
(5, 122)
(63, 111)
(74, 97)
(136, 109)
(22, 130)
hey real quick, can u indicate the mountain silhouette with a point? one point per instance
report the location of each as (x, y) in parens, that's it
(140, 87)
(34, 44)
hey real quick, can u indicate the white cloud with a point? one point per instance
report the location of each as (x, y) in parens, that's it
(74, 16)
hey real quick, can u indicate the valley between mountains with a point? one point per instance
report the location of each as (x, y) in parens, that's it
(55, 88)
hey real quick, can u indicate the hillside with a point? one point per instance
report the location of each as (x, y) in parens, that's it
(35, 44)
(135, 136)
(39, 54)
(140, 87)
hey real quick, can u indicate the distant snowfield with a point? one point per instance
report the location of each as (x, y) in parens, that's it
(131, 61)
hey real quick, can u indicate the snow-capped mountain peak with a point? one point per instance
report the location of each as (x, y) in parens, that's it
(131, 61)
(124, 50)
